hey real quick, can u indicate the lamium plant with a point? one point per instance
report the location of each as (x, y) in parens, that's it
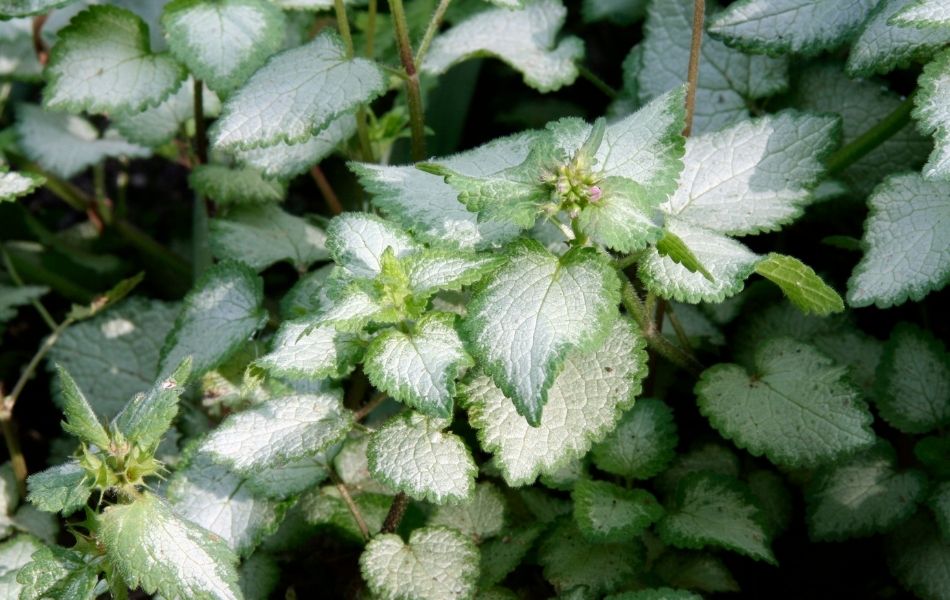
(494, 299)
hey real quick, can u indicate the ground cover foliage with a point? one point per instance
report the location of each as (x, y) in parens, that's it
(503, 299)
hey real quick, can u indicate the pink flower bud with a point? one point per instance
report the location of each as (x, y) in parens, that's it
(594, 193)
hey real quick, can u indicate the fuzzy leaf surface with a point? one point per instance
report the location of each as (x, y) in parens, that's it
(436, 564)
(260, 236)
(63, 488)
(584, 404)
(277, 104)
(933, 114)
(605, 512)
(66, 144)
(356, 242)
(81, 421)
(533, 311)
(146, 417)
(221, 312)
(303, 348)
(927, 13)
(153, 548)
(642, 444)
(434, 270)
(713, 510)
(419, 368)
(124, 343)
(789, 26)
(883, 45)
(222, 42)
(728, 79)
(56, 572)
(284, 161)
(761, 188)
(798, 407)
(412, 454)
(425, 204)
(907, 247)
(913, 393)
(213, 497)
(525, 38)
(279, 431)
(102, 62)
(862, 496)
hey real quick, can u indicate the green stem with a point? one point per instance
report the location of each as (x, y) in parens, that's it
(434, 23)
(99, 192)
(47, 318)
(362, 134)
(372, 10)
(201, 248)
(677, 327)
(343, 25)
(17, 461)
(623, 262)
(692, 70)
(121, 192)
(597, 82)
(351, 505)
(413, 92)
(657, 341)
(80, 201)
(9, 402)
(870, 139)
(147, 245)
(35, 272)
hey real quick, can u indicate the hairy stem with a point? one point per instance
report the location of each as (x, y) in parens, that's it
(370, 406)
(103, 207)
(201, 259)
(12, 440)
(434, 23)
(343, 25)
(413, 92)
(15, 276)
(677, 327)
(396, 512)
(870, 139)
(692, 71)
(657, 342)
(329, 196)
(371, 13)
(597, 82)
(161, 255)
(34, 271)
(8, 403)
(362, 134)
(77, 199)
(350, 504)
